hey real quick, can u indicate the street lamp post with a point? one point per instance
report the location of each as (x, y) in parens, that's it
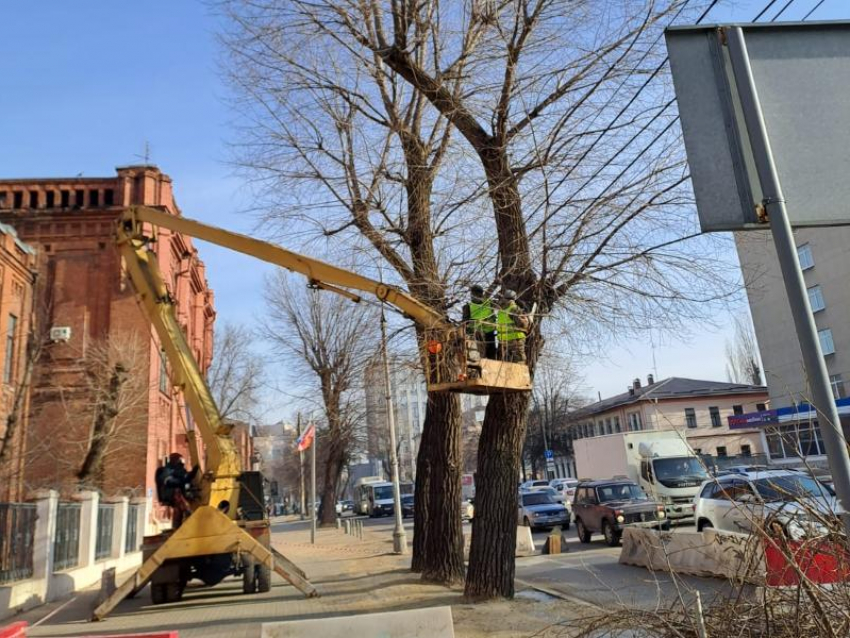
(399, 536)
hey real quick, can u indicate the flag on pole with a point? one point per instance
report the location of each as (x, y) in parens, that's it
(304, 441)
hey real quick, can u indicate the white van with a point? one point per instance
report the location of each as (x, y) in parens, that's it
(565, 489)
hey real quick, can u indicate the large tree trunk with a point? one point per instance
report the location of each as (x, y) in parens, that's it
(438, 530)
(491, 557)
(334, 464)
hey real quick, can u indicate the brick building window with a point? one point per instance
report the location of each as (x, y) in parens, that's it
(737, 409)
(746, 450)
(721, 450)
(94, 199)
(65, 197)
(108, 197)
(761, 407)
(18, 196)
(4, 199)
(690, 417)
(714, 413)
(79, 198)
(9, 363)
(33, 199)
(51, 199)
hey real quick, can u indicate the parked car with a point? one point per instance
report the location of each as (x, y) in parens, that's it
(609, 506)
(344, 507)
(533, 485)
(565, 489)
(407, 505)
(742, 501)
(538, 509)
(467, 510)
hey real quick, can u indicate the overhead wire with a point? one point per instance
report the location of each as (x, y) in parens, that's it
(815, 8)
(631, 140)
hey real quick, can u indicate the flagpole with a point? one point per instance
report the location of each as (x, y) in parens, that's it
(313, 447)
(301, 474)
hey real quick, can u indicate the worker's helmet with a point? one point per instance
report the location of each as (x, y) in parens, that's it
(175, 457)
(510, 295)
(477, 290)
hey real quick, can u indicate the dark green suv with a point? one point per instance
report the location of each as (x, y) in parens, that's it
(609, 506)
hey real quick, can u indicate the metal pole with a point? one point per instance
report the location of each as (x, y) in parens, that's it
(313, 447)
(399, 537)
(795, 285)
(303, 509)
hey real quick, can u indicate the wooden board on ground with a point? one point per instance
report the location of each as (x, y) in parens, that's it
(433, 622)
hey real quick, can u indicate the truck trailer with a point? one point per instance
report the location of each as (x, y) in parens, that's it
(661, 462)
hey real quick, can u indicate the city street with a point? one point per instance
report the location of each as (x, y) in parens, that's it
(363, 576)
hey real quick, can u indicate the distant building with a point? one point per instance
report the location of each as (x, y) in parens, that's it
(409, 400)
(697, 409)
(274, 448)
(17, 279)
(86, 298)
(825, 259)
(793, 432)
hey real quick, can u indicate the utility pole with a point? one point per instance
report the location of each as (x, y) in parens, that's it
(313, 481)
(301, 471)
(399, 536)
(795, 285)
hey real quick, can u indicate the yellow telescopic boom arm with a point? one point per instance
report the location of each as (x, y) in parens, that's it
(319, 273)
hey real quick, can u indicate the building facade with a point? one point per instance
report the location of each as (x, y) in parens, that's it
(89, 314)
(17, 287)
(791, 427)
(699, 410)
(409, 396)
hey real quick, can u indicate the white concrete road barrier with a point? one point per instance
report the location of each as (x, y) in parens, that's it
(739, 557)
(433, 622)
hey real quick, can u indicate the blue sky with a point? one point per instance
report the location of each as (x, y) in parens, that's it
(87, 84)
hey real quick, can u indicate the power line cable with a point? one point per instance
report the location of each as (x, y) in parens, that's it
(815, 8)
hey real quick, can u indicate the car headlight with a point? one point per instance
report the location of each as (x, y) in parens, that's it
(535, 514)
(621, 519)
(661, 514)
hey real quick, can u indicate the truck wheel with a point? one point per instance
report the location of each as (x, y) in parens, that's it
(611, 537)
(249, 575)
(582, 531)
(264, 579)
(165, 593)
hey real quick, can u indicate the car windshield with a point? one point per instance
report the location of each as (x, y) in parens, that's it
(383, 493)
(681, 471)
(407, 498)
(537, 498)
(789, 488)
(620, 492)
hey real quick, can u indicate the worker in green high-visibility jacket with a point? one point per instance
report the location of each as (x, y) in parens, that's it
(479, 317)
(512, 325)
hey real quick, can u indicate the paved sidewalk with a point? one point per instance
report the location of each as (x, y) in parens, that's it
(353, 576)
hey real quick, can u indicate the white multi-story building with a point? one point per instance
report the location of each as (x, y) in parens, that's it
(409, 400)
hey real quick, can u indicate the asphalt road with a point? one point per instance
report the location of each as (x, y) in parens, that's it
(590, 573)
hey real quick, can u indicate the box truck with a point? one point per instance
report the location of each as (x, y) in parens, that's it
(661, 462)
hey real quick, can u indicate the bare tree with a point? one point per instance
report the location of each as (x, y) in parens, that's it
(742, 355)
(557, 392)
(347, 132)
(236, 374)
(330, 338)
(116, 389)
(579, 168)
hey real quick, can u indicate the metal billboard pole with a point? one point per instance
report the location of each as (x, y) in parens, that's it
(795, 285)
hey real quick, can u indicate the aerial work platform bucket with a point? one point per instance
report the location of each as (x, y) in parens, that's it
(453, 363)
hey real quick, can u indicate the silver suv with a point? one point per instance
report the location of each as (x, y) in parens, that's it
(747, 499)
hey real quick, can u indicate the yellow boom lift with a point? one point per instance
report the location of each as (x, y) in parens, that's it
(227, 531)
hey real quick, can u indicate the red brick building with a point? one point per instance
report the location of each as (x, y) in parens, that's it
(89, 309)
(17, 276)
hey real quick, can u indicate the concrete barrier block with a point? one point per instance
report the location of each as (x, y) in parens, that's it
(524, 541)
(739, 557)
(433, 622)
